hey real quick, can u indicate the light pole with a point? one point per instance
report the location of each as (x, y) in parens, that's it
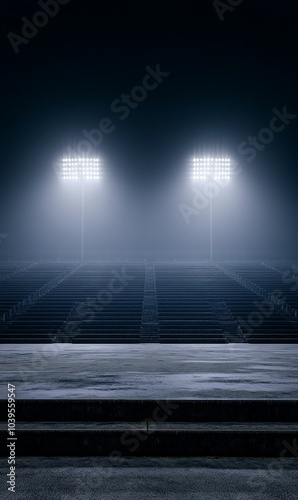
(215, 171)
(83, 219)
(84, 170)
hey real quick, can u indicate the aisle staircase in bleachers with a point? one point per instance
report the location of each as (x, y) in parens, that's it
(150, 323)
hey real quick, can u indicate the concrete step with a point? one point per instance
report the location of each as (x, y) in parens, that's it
(139, 410)
(129, 442)
(155, 426)
(223, 428)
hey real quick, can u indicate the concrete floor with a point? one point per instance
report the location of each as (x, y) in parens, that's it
(151, 371)
(152, 479)
(155, 372)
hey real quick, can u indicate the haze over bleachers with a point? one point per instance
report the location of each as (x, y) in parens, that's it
(178, 302)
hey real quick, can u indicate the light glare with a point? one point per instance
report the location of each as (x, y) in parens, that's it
(80, 168)
(214, 168)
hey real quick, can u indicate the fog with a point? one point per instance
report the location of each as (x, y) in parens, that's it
(149, 210)
(211, 98)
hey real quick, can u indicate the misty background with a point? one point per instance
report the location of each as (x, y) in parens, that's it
(225, 79)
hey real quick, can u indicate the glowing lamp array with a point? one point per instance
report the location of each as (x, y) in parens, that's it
(210, 167)
(80, 168)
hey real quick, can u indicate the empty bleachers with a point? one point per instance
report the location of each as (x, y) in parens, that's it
(21, 284)
(103, 302)
(36, 320)
(96, 303)
(275, 325)
(186, 293)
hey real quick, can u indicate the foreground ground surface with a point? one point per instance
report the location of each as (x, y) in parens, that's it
(151, 371)
(152, 479)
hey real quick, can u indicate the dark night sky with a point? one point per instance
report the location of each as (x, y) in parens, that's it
(225, 79)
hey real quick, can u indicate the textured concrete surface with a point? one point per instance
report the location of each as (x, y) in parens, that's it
(150, 371)
(153, 426)
(152, 479)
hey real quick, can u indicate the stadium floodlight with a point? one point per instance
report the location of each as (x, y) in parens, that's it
(207, 169)
(83, 169)
(80, 168)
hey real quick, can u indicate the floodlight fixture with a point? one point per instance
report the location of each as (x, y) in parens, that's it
(72, 169)
(205, 168)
